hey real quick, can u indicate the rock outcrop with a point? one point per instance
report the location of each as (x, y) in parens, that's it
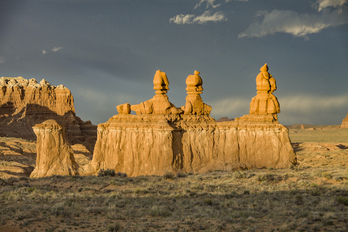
(54, 154)
(264, 106)
(152, 143)
(24, 103)
(344, 122)
(162, 137)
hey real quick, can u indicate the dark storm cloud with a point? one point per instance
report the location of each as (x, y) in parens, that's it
(106, 53)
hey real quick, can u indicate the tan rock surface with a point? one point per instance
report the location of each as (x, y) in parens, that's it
(25, 103)
(194, 102)
(54, 155)
(344, 122)
(265, 103)
(159, 104)
(187, 143)
(157, 140)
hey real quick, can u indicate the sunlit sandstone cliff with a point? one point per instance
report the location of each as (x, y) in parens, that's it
(162, 137)
(344, 122)
(24, 103)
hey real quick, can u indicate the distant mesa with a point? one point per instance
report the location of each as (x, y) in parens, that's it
(24, 103)
(344, 122)
(224, 119)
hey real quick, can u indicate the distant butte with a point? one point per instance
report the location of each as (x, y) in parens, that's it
(25, 103)
(344, 122)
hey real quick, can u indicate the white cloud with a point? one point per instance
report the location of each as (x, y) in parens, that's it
(322, 4)
(261, 13)
(44, 52)
(209, 3)
(56, 49)
(202, 19)
(291, 22)
(182, 19)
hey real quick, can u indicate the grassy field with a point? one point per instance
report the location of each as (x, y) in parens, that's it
(311, 196)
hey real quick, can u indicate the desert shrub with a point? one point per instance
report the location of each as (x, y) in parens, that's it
(238, 175)
(94, 209)
(303, 213)
(326, 175)
(120, 174)
(168, 175)
(160, 211)
(140, 191)
(317, 173)
(181, 175)
(269, 178)
(114, 227)
(342, 200)
(299, 200)
(208, 201)
(107, 172)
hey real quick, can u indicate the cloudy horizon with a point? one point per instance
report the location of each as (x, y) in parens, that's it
(107, 52)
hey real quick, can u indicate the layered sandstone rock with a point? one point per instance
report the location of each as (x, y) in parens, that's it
(24, 103)
(162, 137)
(54, 154)
(264, 106)
(152, 143)
(159, 104)
(344, 122)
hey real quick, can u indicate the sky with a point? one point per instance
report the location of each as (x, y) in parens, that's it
(107, 52)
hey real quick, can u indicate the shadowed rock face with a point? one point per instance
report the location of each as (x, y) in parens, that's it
(25, 103)
(54, 154)
(344, 122)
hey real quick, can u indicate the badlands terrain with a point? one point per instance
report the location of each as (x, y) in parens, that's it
(309, 196)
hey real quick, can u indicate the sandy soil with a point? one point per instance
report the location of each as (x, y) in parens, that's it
(311, 196)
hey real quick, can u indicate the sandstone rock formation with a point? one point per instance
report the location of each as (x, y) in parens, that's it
(191, 141)
(159, 104)
(54, 154)
(154, 144)
(163, 138)
(194, 103)
(24, 103)
(264, 106)
(344, 122)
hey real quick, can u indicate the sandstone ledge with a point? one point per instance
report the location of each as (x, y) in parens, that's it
(153, 144)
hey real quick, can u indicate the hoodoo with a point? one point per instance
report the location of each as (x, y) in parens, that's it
(162, 137)
(54, 154)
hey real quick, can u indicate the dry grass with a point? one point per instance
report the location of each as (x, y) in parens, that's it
(312, 196)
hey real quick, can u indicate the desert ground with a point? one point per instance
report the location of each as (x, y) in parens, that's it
(309, 196)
